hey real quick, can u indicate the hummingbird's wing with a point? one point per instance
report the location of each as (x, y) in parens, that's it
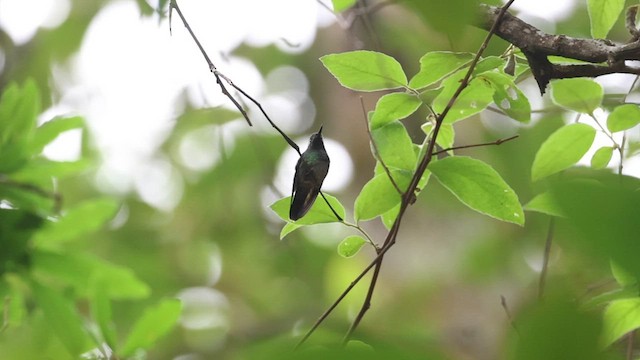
(304, 193)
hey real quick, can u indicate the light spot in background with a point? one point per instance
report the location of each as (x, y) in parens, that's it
(601, 138)
(199, 149)
(2, 60)
(550, 10)
(159, 184)
(66, 147)
(22, 18)
(340, 170)
(205, 318)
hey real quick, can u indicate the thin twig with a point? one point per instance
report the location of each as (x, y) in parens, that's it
(409, 193)
(545, 258)
(340, 219)
(497, 142)
(375, 149)
(503, 302)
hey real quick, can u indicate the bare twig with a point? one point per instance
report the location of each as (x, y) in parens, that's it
(375, 149)
(503, 302)
(408, 196)
(496, 142)
(545, 259)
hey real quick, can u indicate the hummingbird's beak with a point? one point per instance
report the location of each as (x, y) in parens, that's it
(320, 131)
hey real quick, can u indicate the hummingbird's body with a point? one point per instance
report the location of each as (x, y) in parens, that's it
(311, 169)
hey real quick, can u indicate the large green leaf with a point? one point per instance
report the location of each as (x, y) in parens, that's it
(624, 117)
(392, 107)
(379, 195)
(562, 149)
(603, 14)
(478, 186)
(364, 70)
(319, 213)
(473, 99)
(581, 95)
(63, 319)
(435, 65)
(84, 218)
(395, 146)
(621, 317)
(156, 322)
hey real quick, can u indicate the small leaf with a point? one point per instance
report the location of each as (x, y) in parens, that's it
(84, 218)
(50, 130)
(508, 97)
(288, 228)
(390, 216)
(601, 157)
(562, 149)
(544, 203)
(446, 135)
(623, 277)
(472, 100)
(318, 214)
(623, 117)
(581, 95)
(342, 5)
(63, 319)
(603, 14)
(351, 245)
(436, 65)
(154, 323)
(364, 70)
(478, 186)
(621, 317)
(394, 146)
(379, 195)
(392, 107)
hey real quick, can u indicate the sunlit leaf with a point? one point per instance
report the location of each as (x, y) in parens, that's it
(472, 100)
(392, 107)
(603, 14)
(621, 317)
(601, 157)
(63, 319)
(319, 213)
(579, 94)
(84, 218)
(101, 311)
(544, 203)
(478, 186)
(350, 245)
(342, 5)
(379, 195)
(446, 135)
(508, 97)
(156, 322)
(288, 228)
(395, 146)
(365, 70)
(623, 117)
(562, 149)
(436, 65)
(50, 130)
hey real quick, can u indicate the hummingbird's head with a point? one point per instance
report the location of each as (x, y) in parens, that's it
(316, 139)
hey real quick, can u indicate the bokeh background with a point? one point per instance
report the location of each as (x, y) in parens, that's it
(195, 181)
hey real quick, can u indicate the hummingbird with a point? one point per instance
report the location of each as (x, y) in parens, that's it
(311, 169)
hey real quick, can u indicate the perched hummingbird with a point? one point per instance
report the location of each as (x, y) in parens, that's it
(311, 169)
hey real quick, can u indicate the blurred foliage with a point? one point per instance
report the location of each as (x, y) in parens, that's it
(97, 275)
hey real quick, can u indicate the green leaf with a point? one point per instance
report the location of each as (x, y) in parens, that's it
(544, 203)
(50, 130)
(390, 216)
(379, 195)
(288, 228)
(478, 186)
(63, 319)
(392, 107)
(472, 100)
(603, 14)
(620, 317)
(601, 157)
(508, 97)
(101, 311)
(364, 70)
(565, 147)
(394, 146)
(351, 245)
(79, 270)
(318, 214)
(623, 117)
(623, 277)
(581, 95)
(40, 171)
(154, 323)
(436, 65)
(446, 135)
(342, 5)
(84, 218)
